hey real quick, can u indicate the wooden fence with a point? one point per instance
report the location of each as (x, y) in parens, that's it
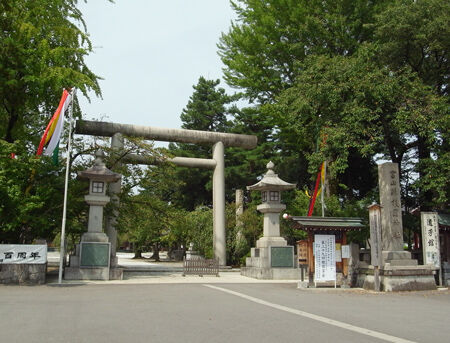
(200, 266)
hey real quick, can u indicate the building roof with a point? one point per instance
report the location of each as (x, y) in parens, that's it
(327, 223)
(271, 181)
(444, 221)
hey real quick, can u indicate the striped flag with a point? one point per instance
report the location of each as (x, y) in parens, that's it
(319, 181)
(52, 134)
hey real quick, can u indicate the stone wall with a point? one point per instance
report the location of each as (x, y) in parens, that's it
(23, 273)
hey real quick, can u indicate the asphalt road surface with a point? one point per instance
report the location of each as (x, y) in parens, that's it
(219, 313)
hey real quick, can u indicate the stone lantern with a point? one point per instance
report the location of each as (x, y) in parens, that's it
(98, 177)
(272, 258)
(92, 259)
(271, 187)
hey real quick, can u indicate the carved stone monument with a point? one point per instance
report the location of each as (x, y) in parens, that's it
(92, 259)
(271, 258)
(398, 272)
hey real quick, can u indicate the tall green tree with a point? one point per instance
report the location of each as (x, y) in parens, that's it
(275, 46)
(43, 45)
(363, 107)
(208, 109)
(43, 49)
(264, 52)
(416, 34)
(262, 49)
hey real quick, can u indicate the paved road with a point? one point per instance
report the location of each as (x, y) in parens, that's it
(218, 313)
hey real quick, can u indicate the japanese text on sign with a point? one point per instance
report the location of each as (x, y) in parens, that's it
(325, 258)
(23, 254)
(430, 239)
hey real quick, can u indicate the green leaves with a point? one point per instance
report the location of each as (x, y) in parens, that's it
(30, 193)
(42, 51)
(355, 74)
(417, 34)
(261, 49)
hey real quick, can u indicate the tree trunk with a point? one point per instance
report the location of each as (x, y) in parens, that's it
(13, 118)
(425, 197)
(138, 253)
(155, 255)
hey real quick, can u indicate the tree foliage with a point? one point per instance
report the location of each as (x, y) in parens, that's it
(31, 197)
(43, 47)
(417, 34)
(348, 82)
(262, 49)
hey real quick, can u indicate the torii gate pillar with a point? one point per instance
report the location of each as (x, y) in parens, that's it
(114, 190)
(219, 237)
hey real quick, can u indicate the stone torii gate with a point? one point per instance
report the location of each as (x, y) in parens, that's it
(218, 140)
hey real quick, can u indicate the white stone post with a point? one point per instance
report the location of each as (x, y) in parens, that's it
(219, 237)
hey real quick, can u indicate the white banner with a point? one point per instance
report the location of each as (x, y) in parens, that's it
(325, 258)
(23, 254)
(430, 239)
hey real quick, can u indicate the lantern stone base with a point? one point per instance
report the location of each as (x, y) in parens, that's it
(75, 272)
(94, 237)
(394, 278)
(105, 274)
(266, 242)
(258, 265)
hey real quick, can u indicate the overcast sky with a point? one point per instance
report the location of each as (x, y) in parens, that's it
(150, 54)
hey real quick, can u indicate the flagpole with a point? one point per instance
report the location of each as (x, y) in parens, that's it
(66, 184)
(322, 179)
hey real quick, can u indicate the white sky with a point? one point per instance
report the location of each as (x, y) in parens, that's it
(150, 54)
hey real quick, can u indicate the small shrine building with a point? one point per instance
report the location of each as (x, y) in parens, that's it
(337, 226)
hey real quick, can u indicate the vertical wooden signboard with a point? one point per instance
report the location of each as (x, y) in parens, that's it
(430, 239)
(375, 242)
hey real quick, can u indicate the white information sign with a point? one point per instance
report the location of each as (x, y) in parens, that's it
(338, 255)
(430, 238)
(23, 254)
(325, 259)
(346, 251)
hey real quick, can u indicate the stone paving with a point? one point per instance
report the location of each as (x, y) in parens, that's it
(142, 271)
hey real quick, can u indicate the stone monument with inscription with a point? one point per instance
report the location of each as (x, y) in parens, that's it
(272, 258)
(397, 271)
